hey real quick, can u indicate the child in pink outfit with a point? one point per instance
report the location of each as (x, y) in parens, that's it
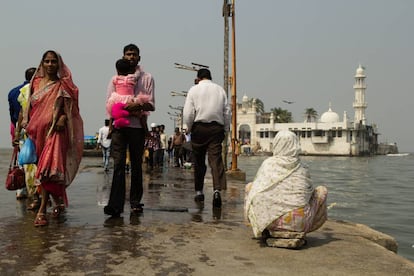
(124, 84)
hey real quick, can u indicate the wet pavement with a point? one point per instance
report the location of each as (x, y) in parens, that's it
(174, 236)
(168, 199)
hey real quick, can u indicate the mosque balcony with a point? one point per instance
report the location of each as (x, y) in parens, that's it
(356, 104)
(363, 86)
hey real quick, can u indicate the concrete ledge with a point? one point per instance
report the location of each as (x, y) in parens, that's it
(368, 233)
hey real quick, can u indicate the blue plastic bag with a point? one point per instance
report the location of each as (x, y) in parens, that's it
(27, 154)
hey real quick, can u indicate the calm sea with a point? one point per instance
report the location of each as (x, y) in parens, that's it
(375, 191)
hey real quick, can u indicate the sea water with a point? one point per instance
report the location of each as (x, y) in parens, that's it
(376, 191)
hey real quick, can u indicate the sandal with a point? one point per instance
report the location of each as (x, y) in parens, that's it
(34, 205)
(40, 220)
(58, 210)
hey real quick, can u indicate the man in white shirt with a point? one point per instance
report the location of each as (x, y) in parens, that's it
(207, 115)
(105, 143)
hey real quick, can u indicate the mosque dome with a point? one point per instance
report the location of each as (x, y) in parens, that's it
(245, 98)
(329, 117)
(360, 72)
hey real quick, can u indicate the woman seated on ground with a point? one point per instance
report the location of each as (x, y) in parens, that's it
(281, 197)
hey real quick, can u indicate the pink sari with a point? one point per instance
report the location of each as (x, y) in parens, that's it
(59, 152)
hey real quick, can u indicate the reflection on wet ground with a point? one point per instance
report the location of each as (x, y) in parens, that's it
(168, 198)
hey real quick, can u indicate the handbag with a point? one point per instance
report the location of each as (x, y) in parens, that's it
(15, 178)
(27, 154)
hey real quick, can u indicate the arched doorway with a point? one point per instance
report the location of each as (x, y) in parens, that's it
(245, 134)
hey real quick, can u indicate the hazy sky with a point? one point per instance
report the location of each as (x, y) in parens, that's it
(302, 51)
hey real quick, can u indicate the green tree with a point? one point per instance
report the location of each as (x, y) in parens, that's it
(310, 114)
(281, 115)
(259, 105)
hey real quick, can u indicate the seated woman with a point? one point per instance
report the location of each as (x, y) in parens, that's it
(281, 203)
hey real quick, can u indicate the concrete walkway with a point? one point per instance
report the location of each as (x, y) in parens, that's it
(174, 237)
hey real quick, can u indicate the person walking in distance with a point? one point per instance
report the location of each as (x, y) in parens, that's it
(178, 139)
(152, 144)
(207, 115)
(104, 142)
(163, 146)
(130, 138)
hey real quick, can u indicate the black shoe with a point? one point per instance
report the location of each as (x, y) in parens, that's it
(138, 209)
(216, 213)
(108, 210)
(199, 198)
(216, 199)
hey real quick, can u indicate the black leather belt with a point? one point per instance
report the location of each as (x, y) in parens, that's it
(210, 123)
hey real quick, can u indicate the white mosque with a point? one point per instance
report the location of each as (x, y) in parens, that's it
(327, 136)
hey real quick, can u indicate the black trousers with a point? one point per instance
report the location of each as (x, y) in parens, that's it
(207, 138)
(123, 139)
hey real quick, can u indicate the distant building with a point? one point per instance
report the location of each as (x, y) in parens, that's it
(327, 136)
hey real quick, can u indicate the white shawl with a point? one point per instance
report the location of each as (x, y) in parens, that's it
(281, 184)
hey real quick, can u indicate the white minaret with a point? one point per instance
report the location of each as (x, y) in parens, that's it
(359, 104)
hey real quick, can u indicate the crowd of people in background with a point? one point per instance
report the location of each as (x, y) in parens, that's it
(160, 150)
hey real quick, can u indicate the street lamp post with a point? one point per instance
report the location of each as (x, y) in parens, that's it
(226, 12)
(182, 93)
(180, 115)
(192, 67)
(234, 171)
(233, 89)
(175, 121)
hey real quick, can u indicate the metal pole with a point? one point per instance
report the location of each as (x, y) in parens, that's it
(226, 11)
(233, 90)
(181, 119)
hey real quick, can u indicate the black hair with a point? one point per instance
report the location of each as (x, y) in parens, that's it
(49, 51)
(123, 67)
(203, 73)
(131, 47)
(28, 74)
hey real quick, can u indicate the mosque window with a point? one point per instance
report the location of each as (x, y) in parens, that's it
(318, 132)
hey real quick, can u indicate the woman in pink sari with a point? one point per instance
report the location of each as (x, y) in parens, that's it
(53, 122)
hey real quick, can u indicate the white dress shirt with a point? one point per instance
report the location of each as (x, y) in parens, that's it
(206, 102)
